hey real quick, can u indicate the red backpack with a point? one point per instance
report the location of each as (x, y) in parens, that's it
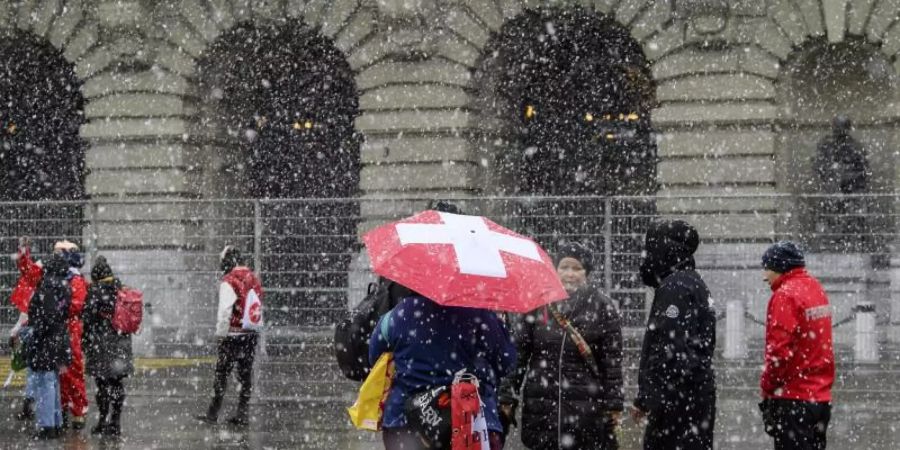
(129, 310)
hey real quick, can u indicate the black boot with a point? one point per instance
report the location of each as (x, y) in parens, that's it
(103, 407)
(212, 414)
(46, 433)
(27, 412)
(113, 427)
(241, 417)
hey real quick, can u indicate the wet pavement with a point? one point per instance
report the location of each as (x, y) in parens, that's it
(300, 405)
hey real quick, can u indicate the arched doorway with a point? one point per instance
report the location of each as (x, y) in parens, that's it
(851, 79)
(41, 151)
(563, 110)
(279, 109)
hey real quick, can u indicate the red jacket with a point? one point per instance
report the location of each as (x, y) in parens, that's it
(799, 361)
(30, 275)
(242, 280)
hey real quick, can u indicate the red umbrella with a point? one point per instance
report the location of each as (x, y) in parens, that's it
(469, 261)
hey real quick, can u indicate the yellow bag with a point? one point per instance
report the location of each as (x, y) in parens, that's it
(367, 412)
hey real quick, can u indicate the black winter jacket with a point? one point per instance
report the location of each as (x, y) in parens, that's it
(107, 352)
(562, 399)
(47, 348)
(677, 354)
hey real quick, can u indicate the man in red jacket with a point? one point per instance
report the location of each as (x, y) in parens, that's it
(799, 358)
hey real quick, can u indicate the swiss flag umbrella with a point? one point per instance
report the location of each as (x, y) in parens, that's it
(468, 261)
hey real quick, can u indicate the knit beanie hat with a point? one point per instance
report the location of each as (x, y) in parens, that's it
(577, 251)
(100, 270)
(783, 256)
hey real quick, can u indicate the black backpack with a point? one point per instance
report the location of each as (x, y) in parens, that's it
(351, 336)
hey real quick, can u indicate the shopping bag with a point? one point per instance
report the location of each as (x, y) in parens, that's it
(367, 411)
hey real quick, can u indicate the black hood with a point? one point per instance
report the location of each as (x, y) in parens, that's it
(56, 266)
(669, 246)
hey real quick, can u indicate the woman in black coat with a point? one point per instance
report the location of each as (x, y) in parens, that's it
(108, 352)
(571, 399)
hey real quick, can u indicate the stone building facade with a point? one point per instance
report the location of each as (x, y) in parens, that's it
(743, 90)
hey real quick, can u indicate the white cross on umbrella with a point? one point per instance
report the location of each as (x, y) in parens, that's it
(477, 247)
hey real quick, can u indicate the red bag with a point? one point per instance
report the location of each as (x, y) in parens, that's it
(467, 418)
(129, 310)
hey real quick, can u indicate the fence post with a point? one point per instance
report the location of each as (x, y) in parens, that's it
(257, 236)
(90, 230)
(866, 349)
(607, 247)
(735, 331)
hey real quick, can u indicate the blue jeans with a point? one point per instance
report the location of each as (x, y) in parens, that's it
(45, 388)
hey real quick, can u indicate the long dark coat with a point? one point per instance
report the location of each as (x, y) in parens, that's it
(107, 352)
(564, 404)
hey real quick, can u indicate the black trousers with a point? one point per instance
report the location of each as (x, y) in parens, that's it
(235, 352)
(681, 427)
(796, 425)
(110, 398)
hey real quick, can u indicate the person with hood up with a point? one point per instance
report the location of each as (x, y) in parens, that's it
(73, 392)
(108, 352)
(429, 349)
(676, 381)
(239, 291)
(47, 348)
(799, 355)
(570, 360)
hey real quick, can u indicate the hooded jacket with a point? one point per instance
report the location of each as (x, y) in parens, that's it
(677, 352)
(47, 348)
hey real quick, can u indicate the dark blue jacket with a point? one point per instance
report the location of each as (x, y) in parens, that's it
(431, 343)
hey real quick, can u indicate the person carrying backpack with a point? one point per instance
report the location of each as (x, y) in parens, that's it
(47, 348)
(107, 350)
(238, 321)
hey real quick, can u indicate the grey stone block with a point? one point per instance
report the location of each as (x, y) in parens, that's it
(174, 59)
(605, 6)
(119, 13)
(182, 36)
(748, 7)
(749, 169)
(159, 81)
(138, 154)
(754, 59)
(93, 62)
(716, 87)
(414, 149)
(835, 12)
(486, 12)
(715, 204)
(744, 112)
(812, 15)
(413, 96)
(314, 10)
(120, 182)
(466, 27)
(716, 143)
(144, 211)
(221, 13)
(119, 128)
(242, 10)
(628, 10)
(372, 51)
(23, 15)
(266, 9)
(137, 105)
(140, 234)
(882, 16)
(418, 121)
(337, 15)
(431, 71)
(730, 226)
(891, 43)
(665, 42)
(43, 15)
(695, 61)
(652, 20)
(65, 24)
(458, 50)
(412, 177)
(361, 25)
(857, 15)
(768, 36)
(195, 13)
(84, 39)
(789, 19)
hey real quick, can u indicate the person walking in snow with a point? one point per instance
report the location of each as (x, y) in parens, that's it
(799, 357)
(48, 351)
(108, 352)
(238, 320)
(676, 381)
(570, 362)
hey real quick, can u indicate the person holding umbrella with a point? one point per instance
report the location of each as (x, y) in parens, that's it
(459, 271)
(570, 362)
